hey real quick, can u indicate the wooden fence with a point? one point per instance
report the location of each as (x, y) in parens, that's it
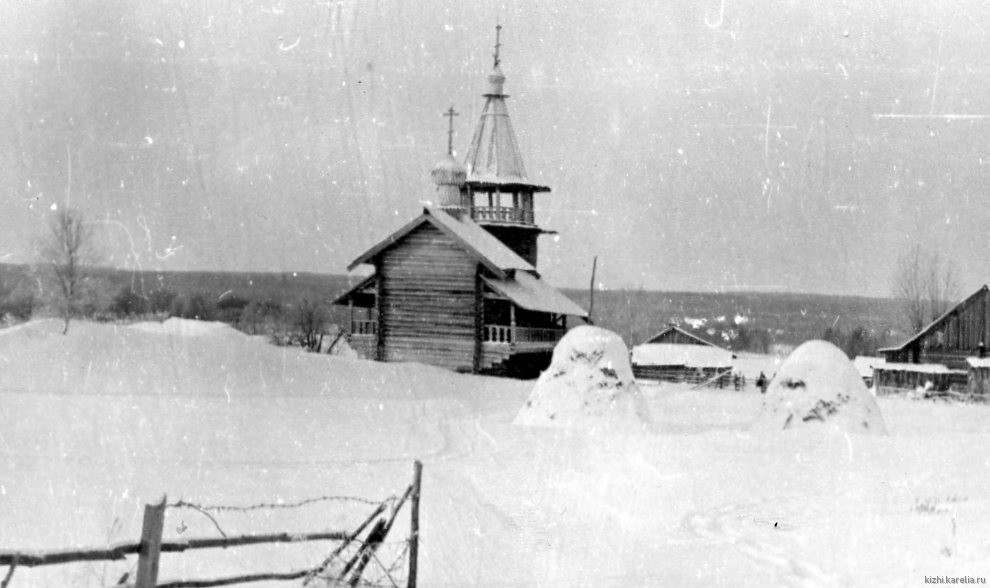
(151, 546)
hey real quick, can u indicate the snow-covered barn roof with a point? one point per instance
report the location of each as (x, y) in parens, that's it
(478, 242)
(529, 292)
(676, 354)
(921, 368)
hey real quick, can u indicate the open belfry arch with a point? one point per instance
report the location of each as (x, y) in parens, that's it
(458, 286)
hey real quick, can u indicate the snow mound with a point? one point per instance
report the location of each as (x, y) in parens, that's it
(817, 385)
(185, 328)
(588, 385)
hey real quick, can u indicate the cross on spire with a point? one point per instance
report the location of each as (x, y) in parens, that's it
(450, 114)
(498, 42)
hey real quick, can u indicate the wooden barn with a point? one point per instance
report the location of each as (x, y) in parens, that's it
(457, 286)
(675, 355)
(948, 342)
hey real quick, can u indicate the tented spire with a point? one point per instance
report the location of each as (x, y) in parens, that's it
(493, 157)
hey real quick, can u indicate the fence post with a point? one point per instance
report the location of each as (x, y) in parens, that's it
(414, 525)
(151, 542)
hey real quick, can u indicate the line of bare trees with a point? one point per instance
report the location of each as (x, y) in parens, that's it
(926, 284)
(67, 276)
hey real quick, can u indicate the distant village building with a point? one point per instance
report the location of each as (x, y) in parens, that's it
(457, 286)
(940, 355)
(674, 355)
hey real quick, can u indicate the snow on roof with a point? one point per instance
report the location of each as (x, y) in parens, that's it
(532, 293)
(921, 368)
(680, 354)
(865, 364)
(978, 362)
(475, 240)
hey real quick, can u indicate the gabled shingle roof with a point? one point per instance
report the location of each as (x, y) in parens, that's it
(675, 328)
(478, 242)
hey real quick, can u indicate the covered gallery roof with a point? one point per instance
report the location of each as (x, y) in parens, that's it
(529, 292)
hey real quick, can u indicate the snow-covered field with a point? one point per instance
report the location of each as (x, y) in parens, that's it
(95, 424)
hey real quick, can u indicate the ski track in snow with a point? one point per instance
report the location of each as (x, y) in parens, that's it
(741, 524)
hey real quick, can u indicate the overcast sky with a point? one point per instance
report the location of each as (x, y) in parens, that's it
(743, 144)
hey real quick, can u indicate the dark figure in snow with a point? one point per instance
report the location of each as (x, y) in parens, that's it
(735, 381)
(761, 383)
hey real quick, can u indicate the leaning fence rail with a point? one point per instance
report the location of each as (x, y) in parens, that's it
(151, 545)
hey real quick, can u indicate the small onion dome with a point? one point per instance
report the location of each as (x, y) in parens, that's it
(496, 80)
(449, 172)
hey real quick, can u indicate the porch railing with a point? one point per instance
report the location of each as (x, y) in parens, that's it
(506, 334)
(364, 327)
(503, 214)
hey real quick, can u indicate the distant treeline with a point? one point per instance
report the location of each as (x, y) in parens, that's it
(259, 302)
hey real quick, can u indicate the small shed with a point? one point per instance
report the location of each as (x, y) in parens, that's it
(979, 376)
(675, 355)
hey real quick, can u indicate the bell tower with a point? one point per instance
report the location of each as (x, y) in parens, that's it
(497, 191)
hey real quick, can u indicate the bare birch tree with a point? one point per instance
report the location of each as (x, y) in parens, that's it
(68, 254)
(926, 284)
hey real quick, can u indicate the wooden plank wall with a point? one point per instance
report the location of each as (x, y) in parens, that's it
(428, 301)
(522, 241)
(681, 374)
(979, 381)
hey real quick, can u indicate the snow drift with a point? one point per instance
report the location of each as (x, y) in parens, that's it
(818, 386)
(589, 385)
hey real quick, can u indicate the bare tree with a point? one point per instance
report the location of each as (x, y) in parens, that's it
(310, 321)
(68, 254)
(926, 284)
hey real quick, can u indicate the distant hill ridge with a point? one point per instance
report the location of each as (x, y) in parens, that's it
(789, 318)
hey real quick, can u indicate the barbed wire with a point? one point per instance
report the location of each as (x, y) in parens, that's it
(278, 505)
(398, 561)
(386, 578)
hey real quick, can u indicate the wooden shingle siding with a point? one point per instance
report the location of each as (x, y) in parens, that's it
(428, 301)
